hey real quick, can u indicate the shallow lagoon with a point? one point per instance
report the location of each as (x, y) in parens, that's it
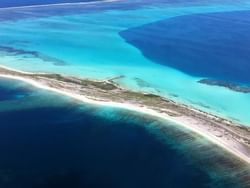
(85, 41)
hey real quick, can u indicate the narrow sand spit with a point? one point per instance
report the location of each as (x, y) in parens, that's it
(229, 135)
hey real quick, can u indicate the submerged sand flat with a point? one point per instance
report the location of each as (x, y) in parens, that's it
(230, 135)
(85, 41)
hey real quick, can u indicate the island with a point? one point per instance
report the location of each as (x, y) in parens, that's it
(228, 134)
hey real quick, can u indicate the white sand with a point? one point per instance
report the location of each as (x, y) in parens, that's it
(188, 123)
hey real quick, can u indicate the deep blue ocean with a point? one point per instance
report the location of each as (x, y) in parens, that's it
(48, 141)
(71, 147)
(213, 45)
(16, 3)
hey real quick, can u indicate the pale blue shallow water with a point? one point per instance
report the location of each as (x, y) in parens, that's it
(85, 41)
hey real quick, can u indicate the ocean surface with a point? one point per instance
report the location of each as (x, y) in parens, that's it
(18, 3)
(159, 46)
(164, 47)
(215, 45)
(53, 141)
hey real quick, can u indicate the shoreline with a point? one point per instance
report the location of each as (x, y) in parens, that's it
(207, 125)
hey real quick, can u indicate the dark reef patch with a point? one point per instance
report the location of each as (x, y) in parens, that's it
(34, 54)
(230, 85)
(142, 83)
(11, 93)
(214, 45)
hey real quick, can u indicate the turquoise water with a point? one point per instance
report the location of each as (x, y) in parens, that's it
(86, 42)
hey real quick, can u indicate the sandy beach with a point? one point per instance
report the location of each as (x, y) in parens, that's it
(228, 135)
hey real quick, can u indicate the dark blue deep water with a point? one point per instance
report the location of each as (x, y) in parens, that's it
(75, 9)
(213, 45)
(65, 144)
(16, 3)
(69, 147)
